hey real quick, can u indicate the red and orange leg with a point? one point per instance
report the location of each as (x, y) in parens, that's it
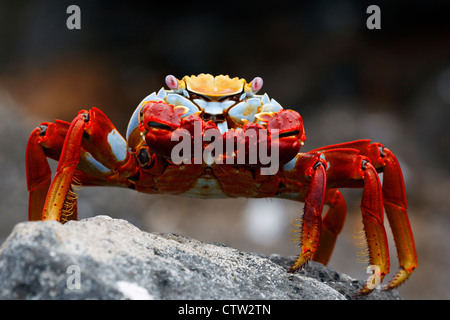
(393, 197)
(67, 165)
(311, 222)
(395, 205)
(332, 224)
(344, 168)
(90, 141)
(45, 142)
(39, 174)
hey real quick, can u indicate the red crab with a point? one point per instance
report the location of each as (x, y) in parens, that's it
(215, 137)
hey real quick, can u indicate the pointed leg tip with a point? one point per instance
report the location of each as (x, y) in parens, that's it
(400, 278)
(294, 268)
(300, 262)
(363, 292)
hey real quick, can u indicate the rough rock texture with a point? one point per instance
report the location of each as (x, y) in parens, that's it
(105, 258)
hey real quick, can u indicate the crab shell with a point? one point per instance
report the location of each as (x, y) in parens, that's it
(229, 104)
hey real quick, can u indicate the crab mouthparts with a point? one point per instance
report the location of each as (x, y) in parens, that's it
(289, 133)
(158, 125)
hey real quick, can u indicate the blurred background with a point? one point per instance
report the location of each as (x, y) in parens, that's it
(317, 57)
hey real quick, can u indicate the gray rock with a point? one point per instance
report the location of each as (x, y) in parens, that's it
(105, 258)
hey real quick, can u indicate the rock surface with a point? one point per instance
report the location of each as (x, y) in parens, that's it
(105, 258)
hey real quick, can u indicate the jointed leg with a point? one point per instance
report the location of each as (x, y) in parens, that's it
(394, 201)
(345, 168)
(45, 141)
(89, 151)
(332, 223)
(372, 214)
(38, 176)
(67, 165)
(312, 217)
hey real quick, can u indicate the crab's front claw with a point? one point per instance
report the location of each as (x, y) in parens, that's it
(286, 130)
(158, 122)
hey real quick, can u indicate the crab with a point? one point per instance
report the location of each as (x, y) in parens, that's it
(199, 138)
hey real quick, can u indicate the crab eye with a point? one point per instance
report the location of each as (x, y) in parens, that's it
(257, 84)
(172, 82)
(143, 156)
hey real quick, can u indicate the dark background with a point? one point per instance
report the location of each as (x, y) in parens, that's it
(317, 57)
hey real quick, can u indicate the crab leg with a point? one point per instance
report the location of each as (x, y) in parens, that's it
(311, 168)
(90, 152)
(67, 165)
(345, 168)
(38, 176)
(394, 199)
(45, 141)
(372, 215)
(332, 223)
(312, 217)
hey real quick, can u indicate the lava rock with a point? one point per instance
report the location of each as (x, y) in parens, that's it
(105, 258)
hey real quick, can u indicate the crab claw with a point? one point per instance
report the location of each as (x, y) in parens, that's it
(159, 121)
(291, 133)
(163, 127)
